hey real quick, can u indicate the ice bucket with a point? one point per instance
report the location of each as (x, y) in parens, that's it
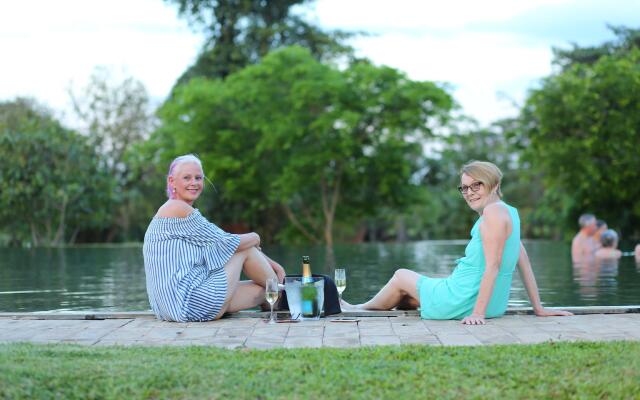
(294, 289)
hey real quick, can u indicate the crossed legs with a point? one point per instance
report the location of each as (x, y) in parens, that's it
(399, 292)
(246, 294)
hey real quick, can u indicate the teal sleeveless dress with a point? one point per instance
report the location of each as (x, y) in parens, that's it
(454, 297)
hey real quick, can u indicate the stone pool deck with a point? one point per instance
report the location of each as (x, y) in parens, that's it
(248, 329)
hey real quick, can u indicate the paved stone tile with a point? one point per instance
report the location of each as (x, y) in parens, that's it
(422, 339)
(570, 336)
(411, 331)
(226, 343)
(17, 335)
(498, 339)
(377, 319)
(233, 322)
(193, 334)
(341, 341)
(234, 332)
(126, 334)
(370, 331)
(372, 325)
(302, 341)
(387, 331)
(457, 339)
(533, 337)
(610, 337)
(56, 334)
(295, 331)
(458, 329)
(633, 334)
(158, 334)
(524, 331)
(313, 323)
(337, 330)
(6, 323)
(379, 340)
(276, 330)
(264, 342)
(91, 334)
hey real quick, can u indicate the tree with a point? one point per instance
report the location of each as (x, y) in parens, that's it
(626, 39)
(241, 32)
(117, 118)
(317, 143)
(441, 212)
(584, 128)
(52, 184)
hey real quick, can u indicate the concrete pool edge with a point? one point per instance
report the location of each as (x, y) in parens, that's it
(102, 315)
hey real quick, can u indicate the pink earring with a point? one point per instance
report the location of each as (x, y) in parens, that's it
(174, 190)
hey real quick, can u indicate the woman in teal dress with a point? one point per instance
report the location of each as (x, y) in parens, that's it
(479, 286)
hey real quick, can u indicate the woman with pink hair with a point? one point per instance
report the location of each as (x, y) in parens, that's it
(192, 266)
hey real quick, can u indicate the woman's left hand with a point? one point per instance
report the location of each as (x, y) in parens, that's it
(277, 268)
(548, 312)
(474, 320)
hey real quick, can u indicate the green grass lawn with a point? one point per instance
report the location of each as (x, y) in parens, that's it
(565, 370)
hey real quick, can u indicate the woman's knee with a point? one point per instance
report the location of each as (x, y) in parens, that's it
(402, 274)
(405, 280)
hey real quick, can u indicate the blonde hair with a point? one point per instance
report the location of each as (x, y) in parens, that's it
(487, 173)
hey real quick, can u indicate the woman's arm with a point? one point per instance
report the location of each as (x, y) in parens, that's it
(495, 229)
(252, 239)
(529, 280)
(277, 268)
(248, 240)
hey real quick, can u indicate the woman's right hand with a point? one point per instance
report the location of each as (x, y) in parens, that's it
(548, 312)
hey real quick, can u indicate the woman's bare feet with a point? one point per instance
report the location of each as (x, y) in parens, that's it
(344, 306)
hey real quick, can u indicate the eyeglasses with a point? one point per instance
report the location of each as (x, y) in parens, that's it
(475, 186)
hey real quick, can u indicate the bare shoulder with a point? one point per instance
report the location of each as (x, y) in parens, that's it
(496, 213)
(174, 209)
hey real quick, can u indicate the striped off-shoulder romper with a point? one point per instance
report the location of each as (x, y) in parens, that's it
(184, 262)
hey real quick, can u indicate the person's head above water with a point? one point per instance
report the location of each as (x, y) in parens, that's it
(588, 223)
(185, 178)
(609, 238)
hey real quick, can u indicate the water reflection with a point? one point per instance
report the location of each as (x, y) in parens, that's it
(112, 278)
(596, 277)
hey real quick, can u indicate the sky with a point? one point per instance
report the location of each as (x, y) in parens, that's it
(489, 53)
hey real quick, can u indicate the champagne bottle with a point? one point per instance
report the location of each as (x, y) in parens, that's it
(309, 291)
(306, 270)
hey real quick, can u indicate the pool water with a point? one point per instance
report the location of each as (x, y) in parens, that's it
(112, 278)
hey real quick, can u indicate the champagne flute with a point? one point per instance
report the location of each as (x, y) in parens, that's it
(341, 281)
(271, 294)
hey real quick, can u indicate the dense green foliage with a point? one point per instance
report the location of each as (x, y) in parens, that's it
(52, 185)
(550, 370)
(117, 119)
(584, 128)
(299, 138)
(626, 40)
(305, 143)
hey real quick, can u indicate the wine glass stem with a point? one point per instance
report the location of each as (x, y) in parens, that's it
(271, 320)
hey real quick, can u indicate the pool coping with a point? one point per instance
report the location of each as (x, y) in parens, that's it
(102, 315)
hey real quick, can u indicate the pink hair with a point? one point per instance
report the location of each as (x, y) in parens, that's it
(177, 161)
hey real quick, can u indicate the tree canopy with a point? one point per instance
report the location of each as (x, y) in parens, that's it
(584, 128)
(52, 186)
(241, 32)
(307, 140)
(626, 40)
